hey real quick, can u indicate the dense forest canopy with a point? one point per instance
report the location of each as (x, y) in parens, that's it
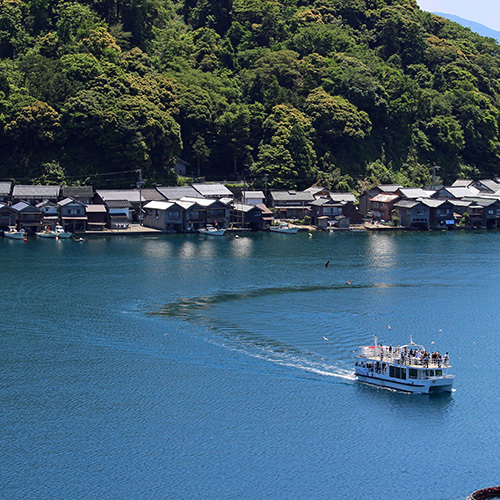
(346, 93)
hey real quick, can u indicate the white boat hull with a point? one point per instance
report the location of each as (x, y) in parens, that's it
(285, 230)
(46, 235)
(428, 386)
(14, 235)
(212, 232)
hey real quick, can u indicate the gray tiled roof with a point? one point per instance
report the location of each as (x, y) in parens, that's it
(211, 190)
(22, 206)
(414, 193)
(407, 203)
(32, 191)
(5, 188)
(349, 197)
(178, 192)
(77, 191)
(291, 195)
(151, 194)
(118, 203)
(132, 195)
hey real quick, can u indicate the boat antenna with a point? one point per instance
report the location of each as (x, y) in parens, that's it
(376, 339)
(411, 340)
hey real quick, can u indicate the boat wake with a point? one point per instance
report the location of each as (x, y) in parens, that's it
(203, 311)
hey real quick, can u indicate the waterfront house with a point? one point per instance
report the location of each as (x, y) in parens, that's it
(214, 190)
(381, 206)
(246, 216)
(73, 215)
(252, 197)
(443, 214)
(133, 196)
(8, 217)
(291, 204)
(199, 212)
(5, 188)
(413, 214)
(164, 215)
(28, 217)
(364, 199)
(484, 212)
(83, 194)
(50, 215)
(33, 194)
(325, 207)
(97, 217)
(118, 213)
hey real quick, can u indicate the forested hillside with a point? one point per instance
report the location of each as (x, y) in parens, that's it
(346, 93)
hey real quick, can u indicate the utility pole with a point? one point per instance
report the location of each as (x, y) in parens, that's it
(434, 177)
(139, 171)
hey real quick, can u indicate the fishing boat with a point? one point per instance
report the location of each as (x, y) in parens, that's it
(284, 227)
(212, 231)
(408, 368)
(61, 233)
(14, 234)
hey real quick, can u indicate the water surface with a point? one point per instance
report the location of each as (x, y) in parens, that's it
(184, 366)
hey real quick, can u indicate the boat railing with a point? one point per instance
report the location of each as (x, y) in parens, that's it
(381, 353)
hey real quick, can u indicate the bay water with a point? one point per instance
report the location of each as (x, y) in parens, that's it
(189, 366)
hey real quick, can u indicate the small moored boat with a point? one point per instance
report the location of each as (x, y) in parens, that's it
(46, 233)
(284, 227)
(408, 368)
(61, 233)
(212, 231)
(14, 234)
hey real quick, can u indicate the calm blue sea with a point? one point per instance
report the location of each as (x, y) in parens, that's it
(185, 366)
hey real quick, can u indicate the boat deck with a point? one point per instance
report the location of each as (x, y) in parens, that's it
(383, 354)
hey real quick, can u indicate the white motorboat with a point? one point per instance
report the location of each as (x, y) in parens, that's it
(14, 234)
(408, 368)
(284, 227)
(46, 233)
(61, 233)
(212, 231)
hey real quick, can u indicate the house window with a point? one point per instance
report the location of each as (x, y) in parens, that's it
(420, 212)
(174, 214)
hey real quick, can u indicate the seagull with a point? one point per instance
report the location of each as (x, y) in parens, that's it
(310, 235)
(348, 282)
(325, 338)
(236, 236)
(389, 326)
(326, 265)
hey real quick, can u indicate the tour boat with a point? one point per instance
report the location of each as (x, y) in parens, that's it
(211, 230)
(408, 368)
(14, 234)
(284, 227)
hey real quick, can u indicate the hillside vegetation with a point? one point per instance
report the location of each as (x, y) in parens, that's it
(346, 93)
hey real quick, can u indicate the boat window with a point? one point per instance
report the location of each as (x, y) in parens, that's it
(397, 372)
(413, 373)
(430, 373)
(439, 373)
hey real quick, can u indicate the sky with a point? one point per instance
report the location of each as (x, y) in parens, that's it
(485, 12)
